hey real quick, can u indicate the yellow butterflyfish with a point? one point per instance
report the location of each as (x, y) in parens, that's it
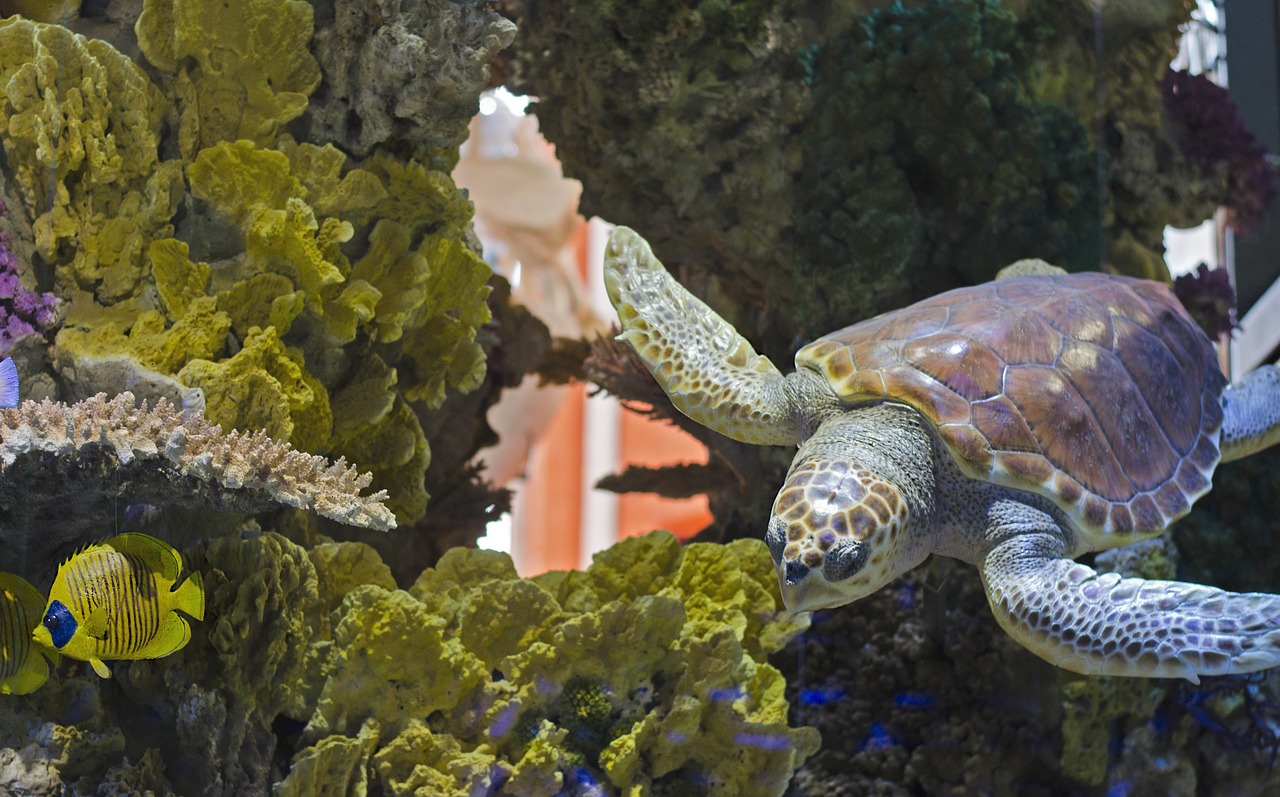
(23, 666)
(119, 599)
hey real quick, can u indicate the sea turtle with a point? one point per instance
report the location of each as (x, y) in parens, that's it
(1013, 425)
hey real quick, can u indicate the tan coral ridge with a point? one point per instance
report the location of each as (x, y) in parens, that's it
(65, 468)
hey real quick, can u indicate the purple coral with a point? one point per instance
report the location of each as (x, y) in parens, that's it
(1211, 133)
(1209, 298)
(23, 312)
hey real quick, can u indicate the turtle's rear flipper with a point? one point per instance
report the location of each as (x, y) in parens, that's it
(711, 373)
(1251, 413)
(1073, 617)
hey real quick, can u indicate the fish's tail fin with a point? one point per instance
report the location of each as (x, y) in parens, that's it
(8, 383)
(190, 596)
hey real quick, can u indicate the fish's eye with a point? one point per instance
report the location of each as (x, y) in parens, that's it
(50, 621)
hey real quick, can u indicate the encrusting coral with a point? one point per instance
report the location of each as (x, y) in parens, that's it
(395, 70)
(64, 467)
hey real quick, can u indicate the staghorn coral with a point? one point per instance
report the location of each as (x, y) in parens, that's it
(397, 71)
(63, 468)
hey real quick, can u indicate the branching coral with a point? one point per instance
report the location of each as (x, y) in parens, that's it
(84, 456)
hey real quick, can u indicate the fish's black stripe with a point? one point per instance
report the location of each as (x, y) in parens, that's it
(108, 576)
(124, 620)
(128, 617)
(151, 600)
(75, 590)
(15, 645)
(80, 583)
(138, 604)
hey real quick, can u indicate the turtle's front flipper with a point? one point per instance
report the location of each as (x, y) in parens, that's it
(710, 371)
(1103, 624)
(1251, 413)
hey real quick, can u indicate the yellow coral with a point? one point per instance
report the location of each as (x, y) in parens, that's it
(263, 300)
(58, 12)
(243, 69)
(330, 191)
(83, 124)
(200, 333)
(178, 280)
(264, 386)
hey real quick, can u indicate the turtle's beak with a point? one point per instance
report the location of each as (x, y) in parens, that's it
(805, 589)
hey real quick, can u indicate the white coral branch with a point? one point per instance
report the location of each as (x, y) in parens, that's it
(228, 461)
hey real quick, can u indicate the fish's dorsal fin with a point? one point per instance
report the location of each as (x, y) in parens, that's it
(159, 556)
(80, 550)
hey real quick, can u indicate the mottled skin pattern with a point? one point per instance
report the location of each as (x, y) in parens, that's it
(1013, 426)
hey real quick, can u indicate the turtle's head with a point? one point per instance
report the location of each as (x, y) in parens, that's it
(838, 533)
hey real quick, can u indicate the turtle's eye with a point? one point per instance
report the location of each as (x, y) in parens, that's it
(845, 559)
(776, 539)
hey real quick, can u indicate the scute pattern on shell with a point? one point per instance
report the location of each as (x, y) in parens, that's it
(1094, 390)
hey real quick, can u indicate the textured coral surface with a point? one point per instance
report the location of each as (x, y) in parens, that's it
(644, 674)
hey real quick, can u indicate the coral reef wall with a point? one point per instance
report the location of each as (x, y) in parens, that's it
(933, 698)
(246, 208)
(232, 247)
